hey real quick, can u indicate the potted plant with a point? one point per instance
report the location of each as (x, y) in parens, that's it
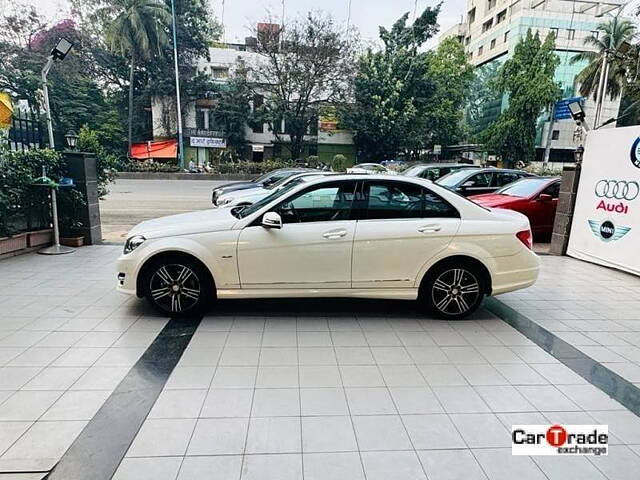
(70, 204)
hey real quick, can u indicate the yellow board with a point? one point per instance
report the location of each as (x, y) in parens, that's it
(6, 110)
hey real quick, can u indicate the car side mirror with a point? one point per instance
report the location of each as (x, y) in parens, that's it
(544, 197)
(271, 220)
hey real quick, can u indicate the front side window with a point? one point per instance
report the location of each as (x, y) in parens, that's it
(553, 190)
(322, 203)
(506, 178)
(479, 180)
(404, 200)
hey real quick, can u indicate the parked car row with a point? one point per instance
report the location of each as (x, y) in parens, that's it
(536, 197)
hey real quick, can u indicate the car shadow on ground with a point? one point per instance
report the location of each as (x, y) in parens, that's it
(311, 307)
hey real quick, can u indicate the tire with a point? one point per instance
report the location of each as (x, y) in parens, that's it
(453, 290)
(178, 286)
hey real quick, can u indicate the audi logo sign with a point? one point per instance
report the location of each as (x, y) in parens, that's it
(617, 189)
(605, 228)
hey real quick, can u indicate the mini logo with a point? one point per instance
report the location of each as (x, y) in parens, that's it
(607, 231)
(617, 190)
(560, 440)
(635, 153)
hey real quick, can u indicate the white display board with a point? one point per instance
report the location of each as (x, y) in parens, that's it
(606, 221)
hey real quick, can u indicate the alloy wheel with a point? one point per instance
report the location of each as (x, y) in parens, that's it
(455, 291)
(175, 288)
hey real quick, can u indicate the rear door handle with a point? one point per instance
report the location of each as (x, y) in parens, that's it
(334, 234)
(430, 228)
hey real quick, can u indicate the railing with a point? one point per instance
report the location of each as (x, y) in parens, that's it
(25, 132)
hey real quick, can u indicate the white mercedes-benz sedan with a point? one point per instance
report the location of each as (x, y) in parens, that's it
(337, 236)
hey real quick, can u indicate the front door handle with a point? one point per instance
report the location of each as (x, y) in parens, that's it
(430, 228)
(334, 234)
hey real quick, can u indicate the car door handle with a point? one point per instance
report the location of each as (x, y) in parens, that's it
(334, 234)
(430, 228)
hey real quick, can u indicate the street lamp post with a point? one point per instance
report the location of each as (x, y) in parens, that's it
(175, 66)
(60, 51)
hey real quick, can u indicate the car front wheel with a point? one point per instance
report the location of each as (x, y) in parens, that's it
(453, 291)
(177, 286)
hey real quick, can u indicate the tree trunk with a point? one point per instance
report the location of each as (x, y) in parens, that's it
(130, 133)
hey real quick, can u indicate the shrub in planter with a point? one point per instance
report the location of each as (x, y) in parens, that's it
(70, 211)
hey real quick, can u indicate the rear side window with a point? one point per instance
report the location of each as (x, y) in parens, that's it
(504, 178)
(385, 200)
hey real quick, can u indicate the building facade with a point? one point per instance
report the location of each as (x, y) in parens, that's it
(490, 32)
(204, 140)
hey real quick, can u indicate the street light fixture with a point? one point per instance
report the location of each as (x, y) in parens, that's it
(72, 139)
(61, 49)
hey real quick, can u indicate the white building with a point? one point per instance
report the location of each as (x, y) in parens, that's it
(203, 140)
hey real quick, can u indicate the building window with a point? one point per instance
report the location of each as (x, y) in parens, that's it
(493, 44)
(201, 118)
(471, 16)
(491, 4)
(480, 51)
(487, 25)
(555, 135)
(258, 101)
(506, 36)
(595, 34)
(219, 73)
(501, 16)
(467, 40)
(571, 34)
(555, 32)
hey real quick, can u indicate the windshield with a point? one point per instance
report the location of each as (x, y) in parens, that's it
(413, 171)
(248, 210)
(523, 188)
(453, 178)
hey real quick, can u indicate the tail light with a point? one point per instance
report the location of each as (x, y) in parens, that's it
(526, 238)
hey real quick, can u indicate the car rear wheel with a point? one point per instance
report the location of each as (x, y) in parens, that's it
(178, 286)
(453, 291)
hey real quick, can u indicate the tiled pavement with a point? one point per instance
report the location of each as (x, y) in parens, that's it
(595, 309)
(291, 390)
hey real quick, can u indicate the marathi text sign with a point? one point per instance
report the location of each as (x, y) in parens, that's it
(606, 221)
(206, 142)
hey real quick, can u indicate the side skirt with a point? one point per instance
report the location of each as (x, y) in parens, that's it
(381, 293)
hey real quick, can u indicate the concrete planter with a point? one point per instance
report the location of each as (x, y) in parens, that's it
(39, 238)
(72, 241)
(186, 176)
(13, 244)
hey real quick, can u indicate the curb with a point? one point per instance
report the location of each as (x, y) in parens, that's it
(185, 176)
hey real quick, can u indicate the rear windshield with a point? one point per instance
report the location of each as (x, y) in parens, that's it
(524, 187)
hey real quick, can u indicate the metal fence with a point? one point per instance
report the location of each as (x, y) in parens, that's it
(25, 131)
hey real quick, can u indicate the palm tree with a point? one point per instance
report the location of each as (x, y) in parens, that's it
(137, 28)
(613, 39)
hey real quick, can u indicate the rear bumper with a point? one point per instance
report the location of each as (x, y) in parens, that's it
(515, 272)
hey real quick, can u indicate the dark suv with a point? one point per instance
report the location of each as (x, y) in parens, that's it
(476, 181)
(433, 171)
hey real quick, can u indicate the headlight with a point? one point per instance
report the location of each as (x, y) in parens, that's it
(132, 243)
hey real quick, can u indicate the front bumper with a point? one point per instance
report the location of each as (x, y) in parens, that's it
(127, 272)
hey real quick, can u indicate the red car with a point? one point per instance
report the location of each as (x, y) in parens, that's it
(535, 197)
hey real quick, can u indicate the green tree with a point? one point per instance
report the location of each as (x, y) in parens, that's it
(137, 28)
(452, 75)
(393, 90)
(483, 97)
(613, 41)
(232, 110)
(306, 64)
(528, 80)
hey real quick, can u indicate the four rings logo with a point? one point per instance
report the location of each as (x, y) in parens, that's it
(617, 190)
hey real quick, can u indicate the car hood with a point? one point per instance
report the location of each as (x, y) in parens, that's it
(233, 186)
(494, 200)
(186, 223)
(247, 193)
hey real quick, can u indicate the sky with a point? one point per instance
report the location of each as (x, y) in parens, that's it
(240, 15)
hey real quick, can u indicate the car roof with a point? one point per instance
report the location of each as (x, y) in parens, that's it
(465, 165)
